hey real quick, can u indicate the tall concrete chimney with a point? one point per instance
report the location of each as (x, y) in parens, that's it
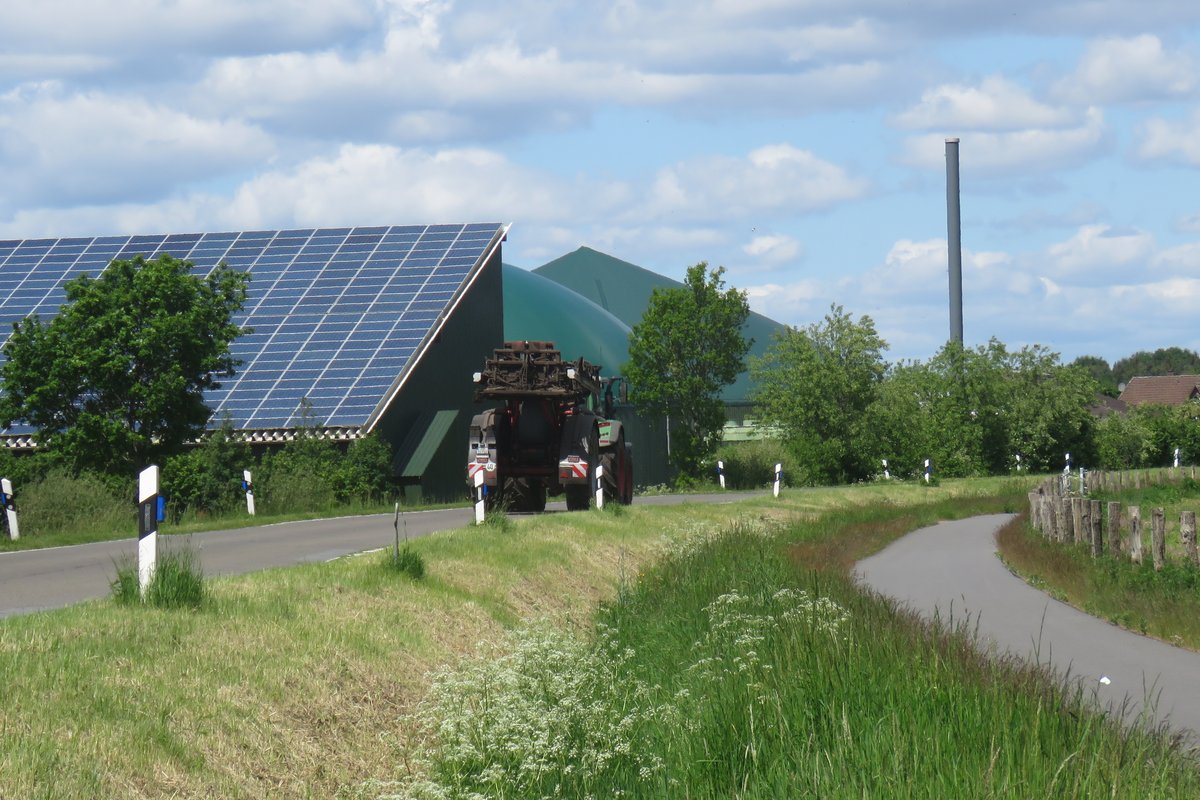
(954, 241)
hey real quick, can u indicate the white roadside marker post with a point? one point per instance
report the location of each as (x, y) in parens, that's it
(10, 508)
(147, 525)
(721, 473)
(249, 487)
(479, 498)
(600, 486)
(778, 478)
(928, 470)
(1176, 458)
(1018, 462)
(886, 475)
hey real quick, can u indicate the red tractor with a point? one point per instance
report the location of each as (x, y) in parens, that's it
(551, 433)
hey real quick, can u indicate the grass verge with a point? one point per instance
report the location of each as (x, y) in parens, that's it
(300, 682)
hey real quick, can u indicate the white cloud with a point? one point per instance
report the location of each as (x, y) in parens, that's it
(1052, 289)
(1031, 151)
(920, 269)
(1187, 223)
(773, 249)
(1173, 141)
(60, 148)
(774, 179)
(995, 104)
(1181, 258)
(125, 27)
(1156, 299)
(790, 303)
(1132, 69)
(375, 184)
(1095, 250)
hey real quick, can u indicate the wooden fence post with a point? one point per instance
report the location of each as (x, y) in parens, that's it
(1135, 534)
(1062, 518)
(1085, 521)
(1114, 528)
(1187, 532)
(1077, 519)
(1158, 537)
(1097, 529)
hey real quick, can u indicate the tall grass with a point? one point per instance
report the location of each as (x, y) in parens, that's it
(731, 670)
(176, 582)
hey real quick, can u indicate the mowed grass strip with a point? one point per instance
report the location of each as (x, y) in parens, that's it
(289, 682)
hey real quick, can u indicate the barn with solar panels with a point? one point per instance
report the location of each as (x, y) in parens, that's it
(355, 330)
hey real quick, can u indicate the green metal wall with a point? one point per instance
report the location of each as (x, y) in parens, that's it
(442, 382)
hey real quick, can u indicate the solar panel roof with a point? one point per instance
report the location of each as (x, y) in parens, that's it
(338, 314)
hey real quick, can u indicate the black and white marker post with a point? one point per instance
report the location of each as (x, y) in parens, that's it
(248, 485)
(147, 525)
(479, 509)
(886, 475)
(600, 486)
(10, 508)
(721, 473)
(928, 470)
(778, 478)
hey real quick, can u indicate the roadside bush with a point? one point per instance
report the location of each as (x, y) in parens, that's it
(207, 479)
(63, 503)
(311, 474)
(300, 489)
(751, 465)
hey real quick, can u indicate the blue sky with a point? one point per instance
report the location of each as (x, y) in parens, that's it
(799, 144)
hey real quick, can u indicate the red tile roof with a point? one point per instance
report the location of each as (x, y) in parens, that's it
(1171, 390)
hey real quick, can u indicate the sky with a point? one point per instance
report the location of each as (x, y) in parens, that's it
(798, 144)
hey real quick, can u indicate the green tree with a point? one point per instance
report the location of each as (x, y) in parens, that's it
(115, 381)
(1170, 427)
(1100, 371)
(687, 346)
(972, 411)
(816, 385)
(1123, 441)
(1163, 361)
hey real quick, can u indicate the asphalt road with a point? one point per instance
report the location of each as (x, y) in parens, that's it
(35, 580)
(952, 568)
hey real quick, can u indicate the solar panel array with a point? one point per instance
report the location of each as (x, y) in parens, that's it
(337, 313)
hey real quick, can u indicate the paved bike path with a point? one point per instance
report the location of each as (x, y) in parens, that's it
(951, 569)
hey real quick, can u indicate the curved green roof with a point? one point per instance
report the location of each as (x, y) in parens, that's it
(625, 289)
(538, 309)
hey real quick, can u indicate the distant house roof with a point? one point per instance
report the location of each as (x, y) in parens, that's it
(1171, 390)
(1105, 405)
